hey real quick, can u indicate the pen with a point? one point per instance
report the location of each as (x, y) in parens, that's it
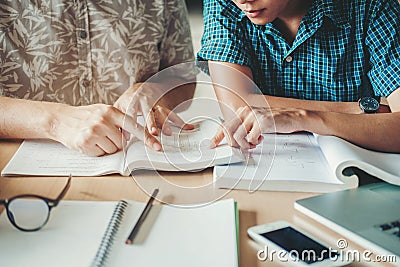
(142, 216)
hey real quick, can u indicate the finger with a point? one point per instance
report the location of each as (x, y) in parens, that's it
(247, 119)
(252, 125)
(133, 109)
(93, 151)
(115, 136)
(127, 124)
(162, 120)
(134, 116)
(148, 116)
(126, 135)
(166, 128)
(151, 141)
(175, 119)
(254, 136)
(230, 128)
(226, 131)
(239, 136)
(133, 106)
(218, 137)
(188, 126)
(127, 101)
(138, 130)
(107, 145)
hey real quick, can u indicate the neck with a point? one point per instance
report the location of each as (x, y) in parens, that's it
(288, 22)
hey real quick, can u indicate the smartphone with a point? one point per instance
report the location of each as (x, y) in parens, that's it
(286, 243)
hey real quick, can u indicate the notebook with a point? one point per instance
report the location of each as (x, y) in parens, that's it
(86, 233)
(306, 162)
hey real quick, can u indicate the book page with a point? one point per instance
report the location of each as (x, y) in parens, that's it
(70, 238)
(342, 154)
(282, 157)
(183, 150)
(178, 236)
(46, 157)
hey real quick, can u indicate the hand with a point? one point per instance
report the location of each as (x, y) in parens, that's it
(142, 99)
(246, 128)
(93, 130)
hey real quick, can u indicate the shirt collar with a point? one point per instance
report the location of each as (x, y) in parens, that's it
(331, 9)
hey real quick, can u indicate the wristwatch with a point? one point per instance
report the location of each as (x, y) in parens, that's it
(368, 104)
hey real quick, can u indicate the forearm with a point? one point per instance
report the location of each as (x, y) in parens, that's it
(282, 102)
(93, 130)
(233, 85)
(234, 88)
(25, 118)
(372, 131)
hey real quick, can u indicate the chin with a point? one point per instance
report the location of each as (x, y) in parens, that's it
(260, 21)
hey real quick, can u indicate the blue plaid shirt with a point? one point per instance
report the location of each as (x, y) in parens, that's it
(342, 48)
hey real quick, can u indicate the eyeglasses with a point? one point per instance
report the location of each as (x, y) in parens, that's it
(30, 213)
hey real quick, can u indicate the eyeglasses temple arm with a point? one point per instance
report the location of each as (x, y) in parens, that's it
(64, 191)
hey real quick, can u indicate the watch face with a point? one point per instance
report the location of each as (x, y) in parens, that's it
(369, 104)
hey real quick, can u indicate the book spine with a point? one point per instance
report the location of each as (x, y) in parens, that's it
(109, 235)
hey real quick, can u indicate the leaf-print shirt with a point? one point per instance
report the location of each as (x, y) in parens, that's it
(81, 52)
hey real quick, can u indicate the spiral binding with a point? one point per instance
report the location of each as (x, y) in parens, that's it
(108, 238)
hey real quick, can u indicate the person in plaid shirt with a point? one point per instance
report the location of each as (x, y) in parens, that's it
(313, 61)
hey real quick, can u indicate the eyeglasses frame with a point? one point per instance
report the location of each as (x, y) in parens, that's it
(51, 203)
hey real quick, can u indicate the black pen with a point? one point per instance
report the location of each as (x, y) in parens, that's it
(139, 222)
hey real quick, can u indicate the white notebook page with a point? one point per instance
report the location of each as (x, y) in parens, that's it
(287, 157)
(172, 236)
(70, 238)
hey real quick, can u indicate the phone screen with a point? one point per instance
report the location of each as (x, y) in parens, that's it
(292, 240)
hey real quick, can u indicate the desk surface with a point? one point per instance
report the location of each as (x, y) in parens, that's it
(179, 188)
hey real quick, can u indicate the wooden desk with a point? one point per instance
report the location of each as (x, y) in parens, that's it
(176, 188)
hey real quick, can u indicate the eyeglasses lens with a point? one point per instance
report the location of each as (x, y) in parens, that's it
(28, 213)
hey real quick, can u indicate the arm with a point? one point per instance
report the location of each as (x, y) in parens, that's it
(172, 88)
(373, 131)
(93, 130)
(20, 118)
(230, 80)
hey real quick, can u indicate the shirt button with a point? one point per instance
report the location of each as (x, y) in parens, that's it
(86, 83)
(289, 59)
(83, 34)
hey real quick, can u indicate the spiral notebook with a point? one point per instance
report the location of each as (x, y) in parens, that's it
(88, 233)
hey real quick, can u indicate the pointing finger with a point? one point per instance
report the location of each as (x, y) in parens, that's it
(218, 137)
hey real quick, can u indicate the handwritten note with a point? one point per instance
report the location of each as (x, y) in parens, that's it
(291, 157)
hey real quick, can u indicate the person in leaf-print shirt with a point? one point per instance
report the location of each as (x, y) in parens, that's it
(69, 69)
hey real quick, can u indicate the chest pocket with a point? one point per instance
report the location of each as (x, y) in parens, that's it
(333, 67)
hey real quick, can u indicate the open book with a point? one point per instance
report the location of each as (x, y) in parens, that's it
(93, 233)
(305, 162)
(182, 151)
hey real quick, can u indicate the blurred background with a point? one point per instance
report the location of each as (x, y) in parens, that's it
(195, 8)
